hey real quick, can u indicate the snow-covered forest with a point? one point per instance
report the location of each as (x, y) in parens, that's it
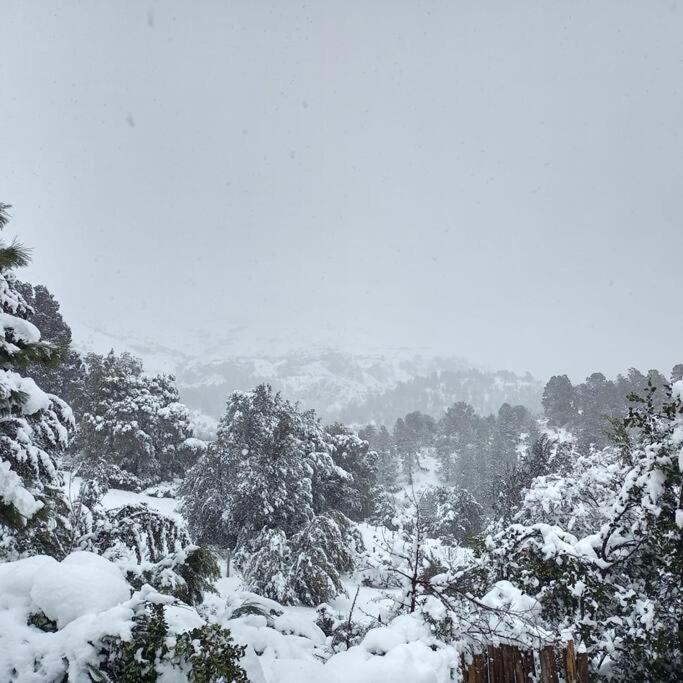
(341, 341)
(137, 543)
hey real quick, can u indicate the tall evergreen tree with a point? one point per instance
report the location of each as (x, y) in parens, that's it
(267, 488)
(354, 455)
(559, 401)
(387, 463)
(413, 433)
(34, 426)
(455, 444)
(66, 378)
(134, 431)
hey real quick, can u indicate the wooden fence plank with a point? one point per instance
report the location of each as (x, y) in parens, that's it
(508, 664)
(570, 663)
(518, 665)
(548, 665)
(476, 672)
(582, 667)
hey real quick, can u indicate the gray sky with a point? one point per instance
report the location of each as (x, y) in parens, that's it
(498, 180)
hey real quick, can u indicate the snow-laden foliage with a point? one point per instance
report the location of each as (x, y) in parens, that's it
(80, 620)
(447, 586)
(451, 514)
(134, 431)
(265, 488)
(35, 428)
(64, 379)
(305, 567)
(601, 546)
(382, 442)
(148, 547)
(354, 497)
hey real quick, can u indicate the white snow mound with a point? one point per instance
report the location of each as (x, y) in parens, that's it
(83, 583)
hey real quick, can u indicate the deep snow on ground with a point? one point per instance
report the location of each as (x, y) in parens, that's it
(284, 645)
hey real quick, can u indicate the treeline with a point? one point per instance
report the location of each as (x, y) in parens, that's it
(471, 450)
(589, 410)
(433, 392)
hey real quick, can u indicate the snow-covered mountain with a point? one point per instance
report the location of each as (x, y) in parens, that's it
(356, 387)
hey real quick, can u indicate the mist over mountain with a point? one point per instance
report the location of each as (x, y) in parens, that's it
(356, 387)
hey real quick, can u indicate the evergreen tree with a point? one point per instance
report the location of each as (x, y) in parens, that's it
(65, 379)
(134, 431)
(451, 514)
(597, 401)
(412, 434)
(267, 488)
(387, 463)
(353, 454)
(457, 442)
(269, 467)
(559, 401)
(514, 433)
(34, 427)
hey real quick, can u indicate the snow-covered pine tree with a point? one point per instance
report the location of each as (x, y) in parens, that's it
(262, 489)
(65, 379)
(134, 431)
(355, 498)
(456, 445)
(451, 514)
(559, 401)
(387, 462)
(34, 427)
(175, 447)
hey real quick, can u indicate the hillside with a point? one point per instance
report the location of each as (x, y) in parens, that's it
(355, 387)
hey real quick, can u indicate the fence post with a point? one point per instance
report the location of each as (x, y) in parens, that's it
(582, 667)
(548, 665)
(529, 663)
(570, 662)
(477, 672)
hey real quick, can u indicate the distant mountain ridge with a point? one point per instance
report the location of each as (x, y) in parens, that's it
(356, 388)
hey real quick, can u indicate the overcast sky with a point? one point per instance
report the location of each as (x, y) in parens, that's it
(498, 180)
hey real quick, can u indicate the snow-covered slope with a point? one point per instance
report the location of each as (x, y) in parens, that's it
(355, 387)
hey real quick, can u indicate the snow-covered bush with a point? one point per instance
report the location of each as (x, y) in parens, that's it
(80, 620)
(204, 654)
(607, 567)
(305, 568)
(151, 548)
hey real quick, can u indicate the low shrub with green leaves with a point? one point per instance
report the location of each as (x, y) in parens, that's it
(206, 654)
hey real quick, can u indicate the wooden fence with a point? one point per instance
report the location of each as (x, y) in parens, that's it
(508, 664)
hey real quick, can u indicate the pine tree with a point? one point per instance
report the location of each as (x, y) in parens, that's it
(515, 431)
(353, 454)
(267, 488)
(134, 431)
(66, 378)
(451, 514)
(34, 427)
(559, 401)
(413, 433)
(597, 402)
(456, 441)
(387, 463)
